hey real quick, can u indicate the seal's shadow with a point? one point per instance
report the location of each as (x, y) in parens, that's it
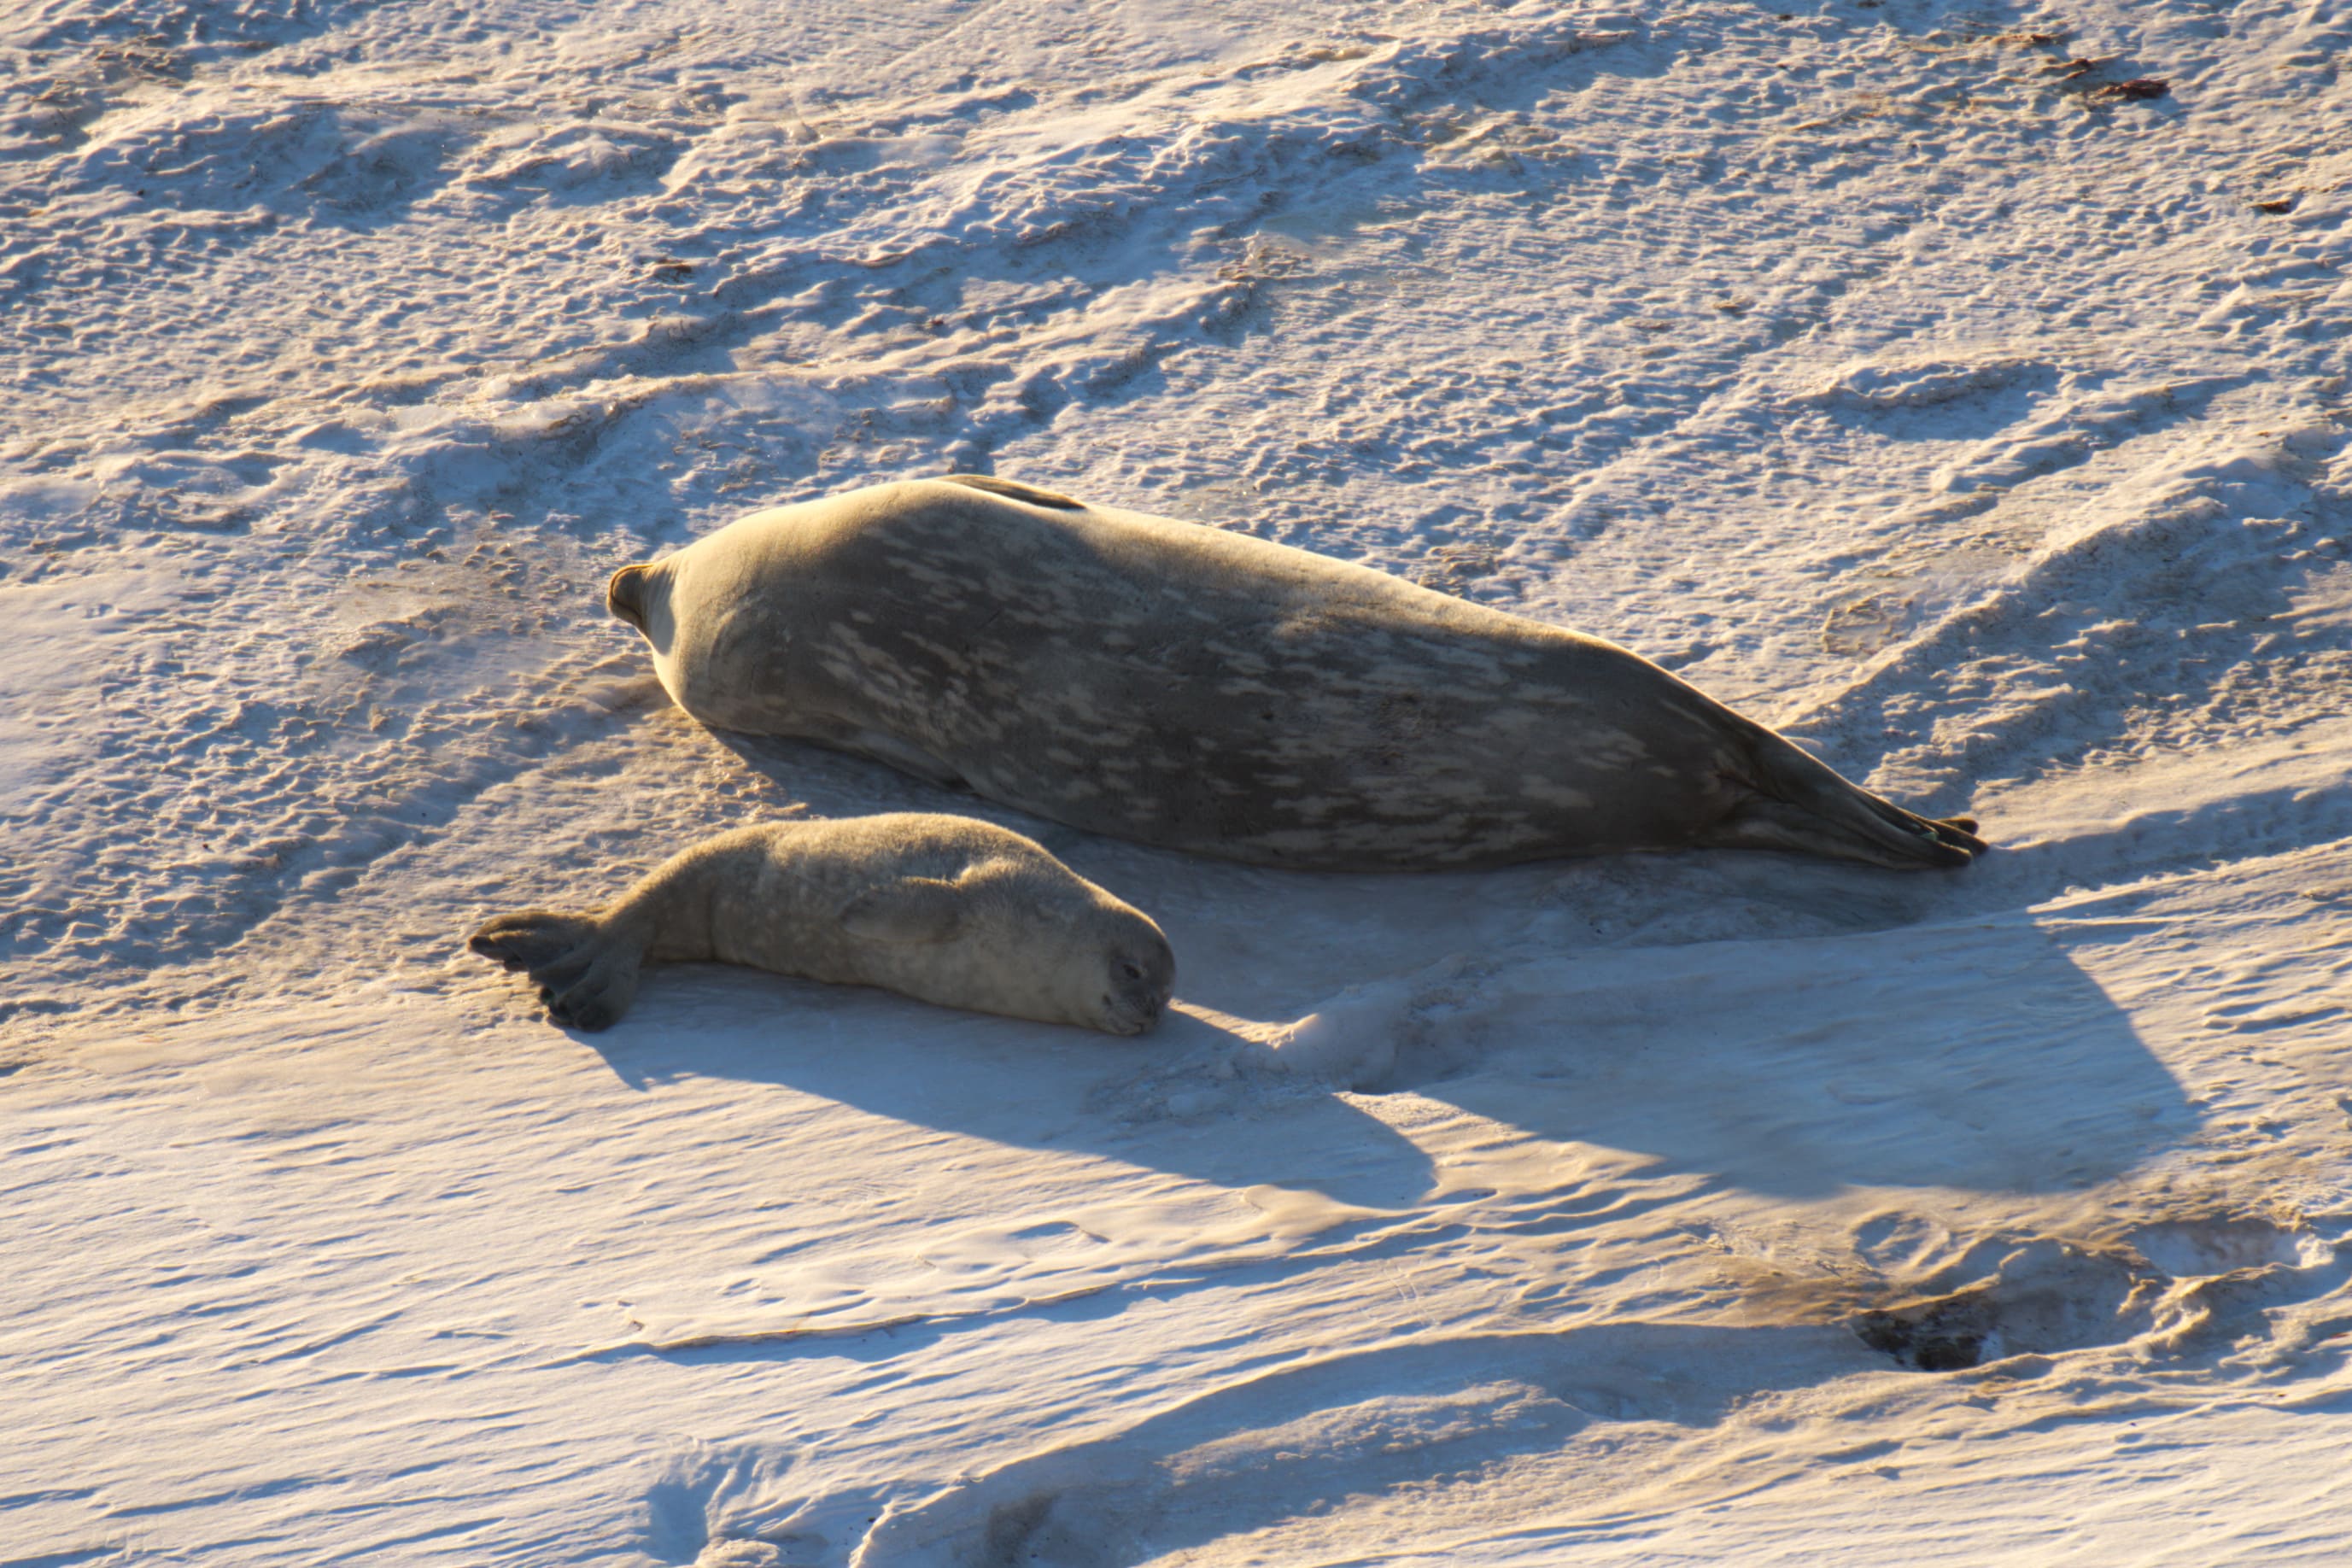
(1004, 1081)
(1702, 1009)
(1784, 1025)
(1978, 1056)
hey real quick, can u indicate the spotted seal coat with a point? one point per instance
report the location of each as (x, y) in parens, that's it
(943, 908)
(1179, 685)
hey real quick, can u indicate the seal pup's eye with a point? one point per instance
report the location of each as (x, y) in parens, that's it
(1132, 970)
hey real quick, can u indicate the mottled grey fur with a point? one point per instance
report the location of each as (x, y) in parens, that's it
(943, 908)
(1183, 685)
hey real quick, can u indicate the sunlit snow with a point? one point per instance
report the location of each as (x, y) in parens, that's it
(1887, 368)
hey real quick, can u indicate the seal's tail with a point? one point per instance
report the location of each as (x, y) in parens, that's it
(1801, 803)
(585, 967)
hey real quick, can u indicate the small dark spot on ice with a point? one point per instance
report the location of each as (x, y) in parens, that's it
(2041, 1296)
(2281, 204)
(2140, 88)
(1946, 1336)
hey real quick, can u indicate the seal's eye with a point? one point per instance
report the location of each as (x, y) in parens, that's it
(1131, 969)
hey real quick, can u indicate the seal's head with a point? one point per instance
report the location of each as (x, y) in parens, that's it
(624, 596)
(1133, 974)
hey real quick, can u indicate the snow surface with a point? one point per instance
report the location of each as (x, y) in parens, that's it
(1874, 364)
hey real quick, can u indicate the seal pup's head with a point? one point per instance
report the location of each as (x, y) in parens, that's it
(965, 914)
(1133, 972)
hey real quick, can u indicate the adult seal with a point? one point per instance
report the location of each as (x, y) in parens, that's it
(942, 908)
(1178, 685)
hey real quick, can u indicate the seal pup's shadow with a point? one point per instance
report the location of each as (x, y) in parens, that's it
(1785, 1024)
(1005, 1080)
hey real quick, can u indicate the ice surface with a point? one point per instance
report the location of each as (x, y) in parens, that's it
(1868, 364)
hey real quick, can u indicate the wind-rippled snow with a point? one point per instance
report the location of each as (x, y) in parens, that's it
(1883, 368)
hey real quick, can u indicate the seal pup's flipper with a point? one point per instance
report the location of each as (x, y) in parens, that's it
(909, 911)
(585, 967)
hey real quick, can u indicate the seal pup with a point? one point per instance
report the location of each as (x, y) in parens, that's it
(1181, 686)
(942, 908)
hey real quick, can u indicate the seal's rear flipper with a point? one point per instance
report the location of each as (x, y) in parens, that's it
(1961, 831)
(1765, 824)
(585, 969)
(1802, 804)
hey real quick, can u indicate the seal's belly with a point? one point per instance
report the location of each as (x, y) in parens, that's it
(1440, 752)
(1447, 800)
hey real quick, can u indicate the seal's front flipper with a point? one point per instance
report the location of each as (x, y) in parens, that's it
(586, 970)
(1013, 489)
(911, 910)
(903, 755)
